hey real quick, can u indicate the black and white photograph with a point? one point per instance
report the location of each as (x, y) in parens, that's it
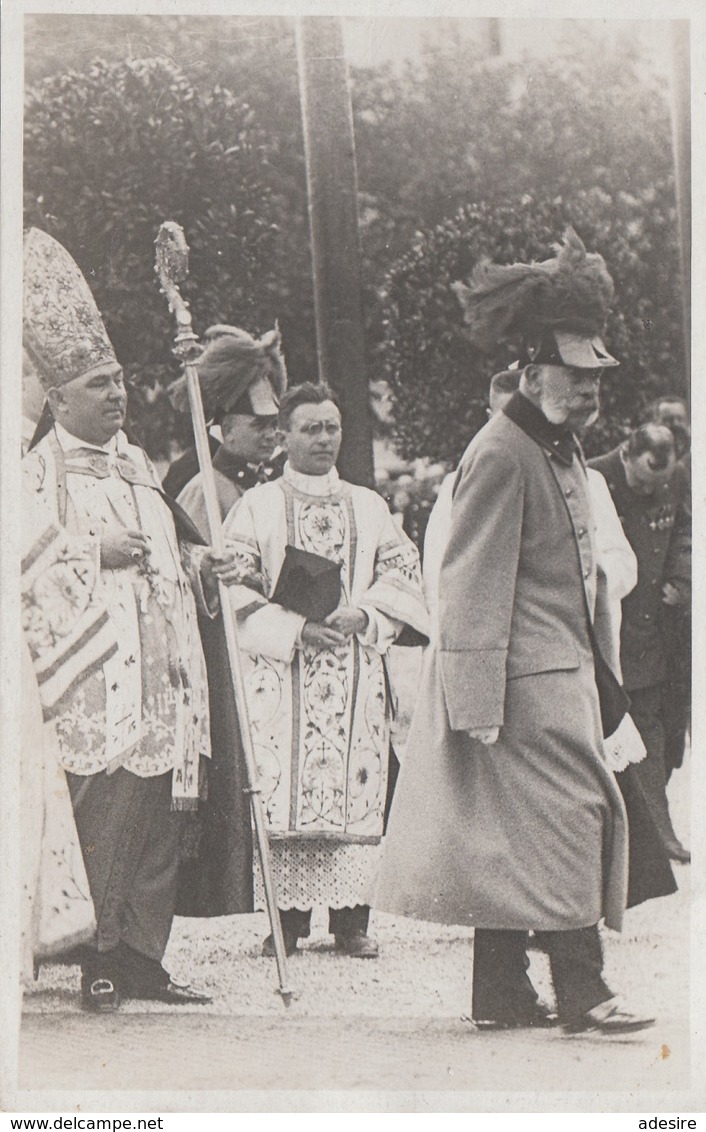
(346, 601)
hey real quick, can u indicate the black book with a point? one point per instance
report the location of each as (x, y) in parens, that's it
(308, 584)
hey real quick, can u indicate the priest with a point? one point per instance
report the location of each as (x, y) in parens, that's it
(317, 686)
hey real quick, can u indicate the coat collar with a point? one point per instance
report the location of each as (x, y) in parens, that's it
(557, 439)
(243, 474)
(236, 469)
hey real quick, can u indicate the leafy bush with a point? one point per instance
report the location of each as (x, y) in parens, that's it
(109, 155)
(439, 381)
(520, 147)
(456, 128)
(468, 156)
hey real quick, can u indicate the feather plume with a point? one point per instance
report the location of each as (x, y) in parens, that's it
(573, 291)
(271, 343)
(231, 362)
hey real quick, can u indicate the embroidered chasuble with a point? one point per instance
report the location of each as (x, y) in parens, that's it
(146, 707)
(320, 718)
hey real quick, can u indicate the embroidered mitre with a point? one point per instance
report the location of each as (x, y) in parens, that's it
(62, 327)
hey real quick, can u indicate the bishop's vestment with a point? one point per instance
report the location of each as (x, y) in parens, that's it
(130, 736)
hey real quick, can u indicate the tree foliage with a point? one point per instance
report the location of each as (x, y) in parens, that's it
(520, 150)
(459, 128)
(198, 119)
(254, 58)
(113, 152)
(439, 381)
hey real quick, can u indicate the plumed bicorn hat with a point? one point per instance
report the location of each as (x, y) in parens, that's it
(237, 373)
(554, 311)
(62, 328)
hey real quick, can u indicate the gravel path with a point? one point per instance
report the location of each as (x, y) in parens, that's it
(393, 1024)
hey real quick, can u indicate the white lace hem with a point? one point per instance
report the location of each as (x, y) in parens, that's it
(319, 872)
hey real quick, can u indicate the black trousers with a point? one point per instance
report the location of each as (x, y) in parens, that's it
(676, 700)
(650, 872)
(130, 842)
(502, 989)
(647, 710)
(341, 921)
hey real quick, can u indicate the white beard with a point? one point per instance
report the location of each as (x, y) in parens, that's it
(556, 412)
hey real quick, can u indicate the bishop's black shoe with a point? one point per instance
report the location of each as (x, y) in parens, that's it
(100, 996)
(357, 944)
(174, 994)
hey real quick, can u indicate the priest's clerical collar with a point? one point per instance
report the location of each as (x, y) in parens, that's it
(68, 441)
(328, 484)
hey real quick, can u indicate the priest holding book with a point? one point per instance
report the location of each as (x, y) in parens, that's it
(324, 584)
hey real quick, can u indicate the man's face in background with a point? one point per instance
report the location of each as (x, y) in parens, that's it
(313, 437)
(645, 472)
(674, 416)
(249, 437)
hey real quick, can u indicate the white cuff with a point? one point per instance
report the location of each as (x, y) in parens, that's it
(272, 631)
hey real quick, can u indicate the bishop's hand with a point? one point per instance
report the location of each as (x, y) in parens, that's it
(121, 547)
(221, 567)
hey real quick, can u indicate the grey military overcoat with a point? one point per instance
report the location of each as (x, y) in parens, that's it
(530, 832)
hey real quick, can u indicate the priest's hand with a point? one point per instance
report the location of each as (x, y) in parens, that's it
(347, 620)
(485, 735)
(318, 636)
(121, 547)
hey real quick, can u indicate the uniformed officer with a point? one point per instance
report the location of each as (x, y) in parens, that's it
(241, 379)
(650, 493)
(673, 411)
(506, 817)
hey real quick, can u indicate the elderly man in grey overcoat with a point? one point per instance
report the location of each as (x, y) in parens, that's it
(506, 817)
